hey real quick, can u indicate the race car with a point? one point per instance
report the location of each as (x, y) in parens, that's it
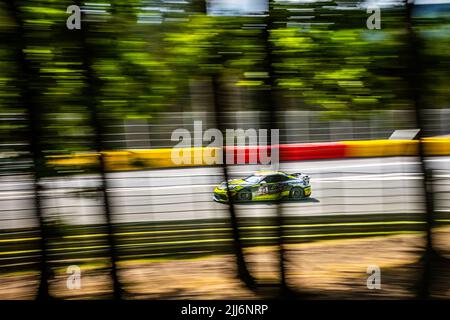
(265, 185)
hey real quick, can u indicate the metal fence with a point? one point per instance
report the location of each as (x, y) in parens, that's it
(298, 126)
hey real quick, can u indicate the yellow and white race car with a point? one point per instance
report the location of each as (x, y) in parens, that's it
(263, 186)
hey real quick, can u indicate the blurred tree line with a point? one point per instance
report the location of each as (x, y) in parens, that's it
(145, 55)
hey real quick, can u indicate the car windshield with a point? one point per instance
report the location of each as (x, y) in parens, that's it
(252, 179)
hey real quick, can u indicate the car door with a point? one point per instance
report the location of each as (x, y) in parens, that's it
(283, 184)
(271, 186)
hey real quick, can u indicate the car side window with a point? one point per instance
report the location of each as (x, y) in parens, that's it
(283, 178)
(269, 179)
(275, 178)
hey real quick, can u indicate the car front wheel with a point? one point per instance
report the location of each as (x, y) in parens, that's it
(244, 195)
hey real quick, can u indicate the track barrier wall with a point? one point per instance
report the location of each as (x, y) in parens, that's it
(125, 160)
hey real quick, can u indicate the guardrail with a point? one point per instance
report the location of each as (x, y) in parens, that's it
(127, 160)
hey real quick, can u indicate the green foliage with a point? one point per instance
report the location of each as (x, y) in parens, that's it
(144, 53)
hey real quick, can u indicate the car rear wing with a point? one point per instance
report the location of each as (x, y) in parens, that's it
(303, 176)
(297, 174)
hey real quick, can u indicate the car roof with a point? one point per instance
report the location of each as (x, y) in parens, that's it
(267, 173)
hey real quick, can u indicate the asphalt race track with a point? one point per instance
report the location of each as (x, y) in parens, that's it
(356, 186)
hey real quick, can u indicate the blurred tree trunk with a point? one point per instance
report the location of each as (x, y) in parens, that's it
(218, 109)
(92, 87)
(271, 105)
(416, 85)
(199, 6)
(243, 272)
(28, 80)
(273, 123)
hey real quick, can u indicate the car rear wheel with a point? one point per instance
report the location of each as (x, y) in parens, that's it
(244, 195)
(296, 193)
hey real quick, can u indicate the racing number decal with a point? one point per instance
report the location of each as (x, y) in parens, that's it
(263, 189)
(275, 188)
(269, 189)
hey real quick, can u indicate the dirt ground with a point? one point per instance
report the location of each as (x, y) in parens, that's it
(335, 269)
